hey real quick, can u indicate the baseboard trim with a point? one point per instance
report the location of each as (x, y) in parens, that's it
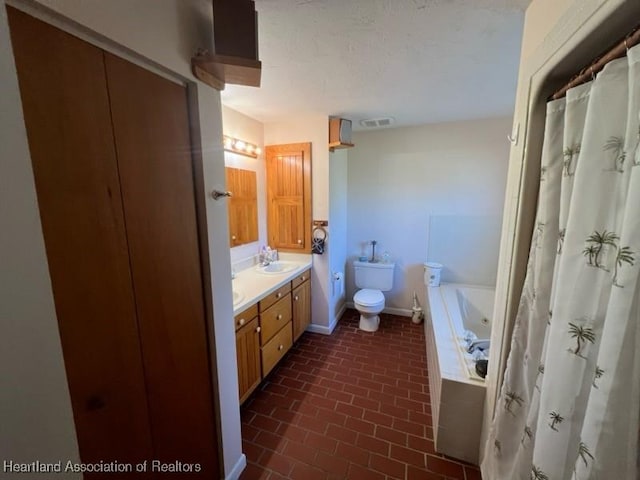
(237, 469)
(323, 329)
(403, 312)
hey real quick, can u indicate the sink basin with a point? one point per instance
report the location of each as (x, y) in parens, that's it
(237, 297)
(275, 268)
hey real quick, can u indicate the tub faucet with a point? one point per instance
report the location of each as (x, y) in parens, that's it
(478, 344)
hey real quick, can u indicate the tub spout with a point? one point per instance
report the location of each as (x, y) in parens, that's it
(478, 344)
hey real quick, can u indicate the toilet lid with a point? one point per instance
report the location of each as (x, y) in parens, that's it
(367, 297)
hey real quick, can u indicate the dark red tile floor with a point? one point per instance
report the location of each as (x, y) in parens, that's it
(352, 405)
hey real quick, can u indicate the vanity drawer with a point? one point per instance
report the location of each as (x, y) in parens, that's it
(275, 317)
(273, 351)
(246, 316)
(303, 277)
(273, 297)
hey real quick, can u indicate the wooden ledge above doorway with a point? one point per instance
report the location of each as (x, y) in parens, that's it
(235, 56)
(218, 70)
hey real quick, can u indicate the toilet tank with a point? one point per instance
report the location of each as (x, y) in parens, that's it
(378, 276)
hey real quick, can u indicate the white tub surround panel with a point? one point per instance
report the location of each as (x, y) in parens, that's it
(457, 401)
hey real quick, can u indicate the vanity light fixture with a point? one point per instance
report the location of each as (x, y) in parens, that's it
(241, 147)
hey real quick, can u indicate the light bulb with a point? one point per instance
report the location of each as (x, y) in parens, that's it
(240, 145)
(258, 150)
(228, 142)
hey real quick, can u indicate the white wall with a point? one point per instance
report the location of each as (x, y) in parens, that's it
(314, 129)
(399, 178)
(34, 399)
(36, 418)
(337, 241)
(238, 125)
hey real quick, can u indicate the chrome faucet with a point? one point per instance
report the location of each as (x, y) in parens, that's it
(267, 256)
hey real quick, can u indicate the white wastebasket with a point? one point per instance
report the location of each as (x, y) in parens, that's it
(432, 274)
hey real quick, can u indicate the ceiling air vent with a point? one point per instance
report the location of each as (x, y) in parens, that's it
(377, 122)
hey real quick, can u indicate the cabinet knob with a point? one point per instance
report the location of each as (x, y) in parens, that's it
(258, 329)
(241, 322)
(279, 317)
(278, 295)
(233, 237)
(299, 242)
(280, 347)
(296, 298)
(303, 278)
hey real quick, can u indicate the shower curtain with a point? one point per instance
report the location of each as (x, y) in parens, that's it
(570, 401)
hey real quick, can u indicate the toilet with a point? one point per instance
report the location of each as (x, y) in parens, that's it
(373, 279)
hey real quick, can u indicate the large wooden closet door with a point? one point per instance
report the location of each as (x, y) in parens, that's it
(151, 127)
(289, 196)
(66, 109)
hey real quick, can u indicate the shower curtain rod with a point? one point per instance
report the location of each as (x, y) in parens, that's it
(588, 73)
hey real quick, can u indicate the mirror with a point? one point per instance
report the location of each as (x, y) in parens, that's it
(243, 206)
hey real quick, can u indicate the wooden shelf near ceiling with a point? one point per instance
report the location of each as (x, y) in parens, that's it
(218, 70)
(235, 56)
(338, 145)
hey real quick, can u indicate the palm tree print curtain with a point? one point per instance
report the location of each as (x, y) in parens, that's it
(570, 401)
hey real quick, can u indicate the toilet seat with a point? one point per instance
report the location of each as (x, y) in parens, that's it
(368, 297)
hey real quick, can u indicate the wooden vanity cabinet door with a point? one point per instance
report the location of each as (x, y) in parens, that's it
(301, 308)
(289, 196)
(248, 355)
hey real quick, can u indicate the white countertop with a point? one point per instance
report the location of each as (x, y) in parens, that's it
(254, 286)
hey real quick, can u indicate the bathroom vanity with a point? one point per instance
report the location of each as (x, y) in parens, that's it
(274, 311)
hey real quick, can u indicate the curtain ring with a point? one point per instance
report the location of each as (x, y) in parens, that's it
(626, 46)
(593, 75)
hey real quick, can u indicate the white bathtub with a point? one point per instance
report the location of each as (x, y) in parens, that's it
(457, 392)
(469, 309)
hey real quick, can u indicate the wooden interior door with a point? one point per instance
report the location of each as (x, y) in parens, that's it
(66, 110)
(289, 196)
(153, 145)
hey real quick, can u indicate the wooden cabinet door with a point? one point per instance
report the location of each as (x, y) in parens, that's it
(153, 145)
(248, 353)
(66, 109)
(289, 196)
(301, 301)
(243, 206)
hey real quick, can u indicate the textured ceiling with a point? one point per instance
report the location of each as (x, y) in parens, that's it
(419, 61)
